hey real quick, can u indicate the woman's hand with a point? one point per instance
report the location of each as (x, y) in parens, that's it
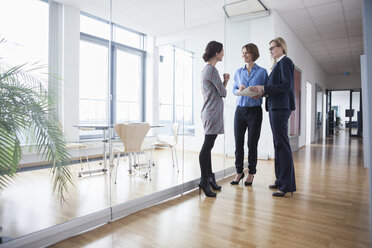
(226, 78)
(241, 87)
(258, 89)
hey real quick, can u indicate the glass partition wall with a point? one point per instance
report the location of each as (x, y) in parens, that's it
(147, 87)
(203, 23)
(72, 49)
(120, 61)
(128, 62)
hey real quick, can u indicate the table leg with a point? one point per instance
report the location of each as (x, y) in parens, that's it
(104, 157)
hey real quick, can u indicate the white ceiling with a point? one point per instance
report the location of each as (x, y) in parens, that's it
(331, 30)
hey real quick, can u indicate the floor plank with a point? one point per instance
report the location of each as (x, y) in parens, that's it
(329, 209)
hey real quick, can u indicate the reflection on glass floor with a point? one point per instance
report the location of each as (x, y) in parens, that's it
(27, 205)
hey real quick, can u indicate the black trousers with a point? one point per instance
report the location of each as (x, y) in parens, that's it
(284, 168)
(247, 118)
(205, 159)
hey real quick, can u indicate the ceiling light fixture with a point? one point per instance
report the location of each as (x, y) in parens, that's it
(251, 8)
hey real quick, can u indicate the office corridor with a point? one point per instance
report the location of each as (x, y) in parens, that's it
(329, 209)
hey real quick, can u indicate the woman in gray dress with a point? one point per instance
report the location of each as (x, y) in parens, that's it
(213, 90)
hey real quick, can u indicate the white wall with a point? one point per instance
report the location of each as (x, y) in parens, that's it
(341, 82)
(311, 71)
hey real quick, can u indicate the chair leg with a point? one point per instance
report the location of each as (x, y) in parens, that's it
(86, 156)
(130, 162)
(152, 156)
(149, 165)
(81, 160)
(138, 161)
(135, 162)
(117, 166)
(175, 154)
(172, 155)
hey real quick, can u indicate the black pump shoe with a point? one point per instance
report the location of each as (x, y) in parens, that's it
(274, 186)
(281, 193)
(249, 183)
(237, 182)
(204, 185)
(213, 183)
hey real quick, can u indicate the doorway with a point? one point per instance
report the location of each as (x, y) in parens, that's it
(344, 112)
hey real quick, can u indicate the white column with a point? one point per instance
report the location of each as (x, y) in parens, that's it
(55, 53)
(70, 72)
(367, 89)
(366, 127)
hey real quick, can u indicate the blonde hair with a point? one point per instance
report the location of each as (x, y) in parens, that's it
(280, 42)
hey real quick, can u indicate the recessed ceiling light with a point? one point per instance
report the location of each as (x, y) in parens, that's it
(244, 7)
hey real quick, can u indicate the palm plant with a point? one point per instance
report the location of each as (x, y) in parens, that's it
(27, 108)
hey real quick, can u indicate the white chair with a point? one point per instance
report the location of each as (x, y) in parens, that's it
(132, 136)
(171, 145)
(79, 146)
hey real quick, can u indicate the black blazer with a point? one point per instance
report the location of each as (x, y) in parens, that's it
(279, 89)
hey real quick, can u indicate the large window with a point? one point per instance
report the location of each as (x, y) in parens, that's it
(93, 86)
(20, 45)
(124, 93)
(176, 84)
(128, 86)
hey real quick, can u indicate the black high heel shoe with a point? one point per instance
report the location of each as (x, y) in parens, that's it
(213, 183)
(237, 182)
(281, 193)
(249, 183)
(274, 186)
(204, 185)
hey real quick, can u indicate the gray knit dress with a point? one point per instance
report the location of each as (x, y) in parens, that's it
(213, 90)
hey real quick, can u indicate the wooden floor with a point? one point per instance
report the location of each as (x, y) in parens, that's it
(21, 214)
(329, 209)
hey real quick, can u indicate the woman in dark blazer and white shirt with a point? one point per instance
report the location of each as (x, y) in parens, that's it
(280, 101)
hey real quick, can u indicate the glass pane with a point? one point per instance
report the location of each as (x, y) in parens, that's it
(22, 45)
(144, 93)
(198, 33)
(93, 84)
(20, 214)
(127, 37)
(128, 87)
(166, 80)
(95, 26)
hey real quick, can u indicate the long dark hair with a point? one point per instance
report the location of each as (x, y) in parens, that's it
(212, 48)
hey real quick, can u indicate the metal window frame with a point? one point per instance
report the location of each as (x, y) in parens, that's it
(115, 46)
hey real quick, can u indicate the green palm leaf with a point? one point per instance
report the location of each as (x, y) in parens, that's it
(26, 104)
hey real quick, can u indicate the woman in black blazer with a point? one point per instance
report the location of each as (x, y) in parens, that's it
(280, 102)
